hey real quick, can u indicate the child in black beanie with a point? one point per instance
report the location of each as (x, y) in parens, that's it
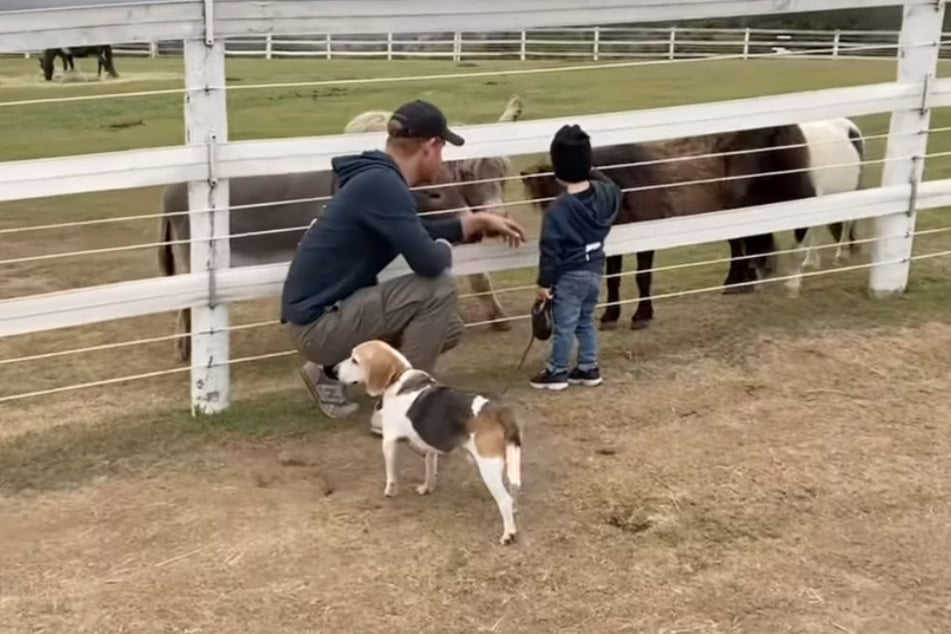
(571, 259)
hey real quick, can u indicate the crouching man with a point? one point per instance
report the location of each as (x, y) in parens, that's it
(332, 301)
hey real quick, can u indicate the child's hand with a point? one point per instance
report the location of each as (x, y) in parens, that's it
(544, 294)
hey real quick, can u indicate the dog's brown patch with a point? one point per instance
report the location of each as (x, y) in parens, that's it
(493, 429)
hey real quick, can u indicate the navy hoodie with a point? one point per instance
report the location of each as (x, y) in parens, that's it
(370, 220)
(574, 230)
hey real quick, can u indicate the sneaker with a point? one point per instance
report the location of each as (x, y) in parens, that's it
(328, 393)
(587, 378)
(547, 380)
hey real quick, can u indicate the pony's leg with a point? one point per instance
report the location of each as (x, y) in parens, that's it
(184, 344)
(481, 284)
(811, 258)
(645, 306)
(844, 245)
(612, 313)
(739, 268)
(798, 261)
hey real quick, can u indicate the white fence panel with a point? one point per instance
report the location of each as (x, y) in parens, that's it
(210, 159)
(137, 168)
(143, 297)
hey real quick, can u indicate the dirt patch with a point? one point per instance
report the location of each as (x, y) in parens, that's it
(790, 484)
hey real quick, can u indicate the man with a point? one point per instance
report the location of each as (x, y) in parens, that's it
(331, 299)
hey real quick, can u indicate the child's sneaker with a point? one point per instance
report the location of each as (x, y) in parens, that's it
(547, 380)
(587, 378)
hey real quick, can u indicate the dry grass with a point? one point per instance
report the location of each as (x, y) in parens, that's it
(753, 464)
(769, 483)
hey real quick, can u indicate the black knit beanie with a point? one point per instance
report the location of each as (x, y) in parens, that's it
(571, 154)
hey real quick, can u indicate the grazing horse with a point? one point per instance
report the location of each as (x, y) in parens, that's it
(284, 205)
(103, 55)
(650, 174)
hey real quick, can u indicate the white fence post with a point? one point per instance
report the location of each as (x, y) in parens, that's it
(328, 45)
(836, 39)
(522, 53)
(206, 125)
(389, 46)
(746, 43)
(268, 47)
(457, 46)
(153, 49)
(672, 44)
(907, 144)
(596, 47)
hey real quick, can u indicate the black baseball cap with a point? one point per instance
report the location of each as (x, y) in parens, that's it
(422, 120)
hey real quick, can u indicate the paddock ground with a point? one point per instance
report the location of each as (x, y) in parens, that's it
(752, 464)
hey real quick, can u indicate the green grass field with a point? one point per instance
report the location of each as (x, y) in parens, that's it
(746, 455)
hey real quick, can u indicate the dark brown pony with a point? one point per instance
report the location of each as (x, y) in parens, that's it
(103, 55)
(655, 195)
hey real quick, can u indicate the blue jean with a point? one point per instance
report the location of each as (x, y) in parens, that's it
(575, 297)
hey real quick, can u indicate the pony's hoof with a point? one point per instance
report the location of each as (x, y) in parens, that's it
(738, 290)
(608, 325)
(640, 324)
(502, 325)
(507, 538)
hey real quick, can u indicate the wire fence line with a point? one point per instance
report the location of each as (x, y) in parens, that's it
(596, 43)
(471, 295)
(503, 179)
(505, 204)
(521, 317)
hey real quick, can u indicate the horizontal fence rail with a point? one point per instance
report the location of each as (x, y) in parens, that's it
(143, 297)
(36, 178)
(185, 19)
(596, 43)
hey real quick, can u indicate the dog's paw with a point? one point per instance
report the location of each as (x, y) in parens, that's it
(389, 490)
(423, 489)
(507, 538)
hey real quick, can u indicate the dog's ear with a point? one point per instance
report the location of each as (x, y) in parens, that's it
(381, 368)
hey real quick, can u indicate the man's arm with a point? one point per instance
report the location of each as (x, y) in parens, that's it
(398, 221)
(449, 229)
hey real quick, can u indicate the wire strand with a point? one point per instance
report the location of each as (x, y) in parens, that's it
(287, 353)
(509, 289)
(294, 201)
(534, 201)
(451, 76)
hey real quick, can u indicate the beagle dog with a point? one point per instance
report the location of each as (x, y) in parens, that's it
(435, 419)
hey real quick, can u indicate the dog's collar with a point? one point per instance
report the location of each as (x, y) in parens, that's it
(417, 381)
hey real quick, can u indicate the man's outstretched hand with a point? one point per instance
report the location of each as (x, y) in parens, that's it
(491, 225)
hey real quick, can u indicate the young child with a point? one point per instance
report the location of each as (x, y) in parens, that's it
(571, 262)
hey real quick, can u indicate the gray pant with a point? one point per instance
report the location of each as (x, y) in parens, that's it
(417, 315)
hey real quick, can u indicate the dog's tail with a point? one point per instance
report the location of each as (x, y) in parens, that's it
(513, 450)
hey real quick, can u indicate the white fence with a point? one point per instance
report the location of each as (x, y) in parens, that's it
(595, 43)
(209, 160)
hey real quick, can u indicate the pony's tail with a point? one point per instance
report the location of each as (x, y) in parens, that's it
(165, 258)
(858, 142)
